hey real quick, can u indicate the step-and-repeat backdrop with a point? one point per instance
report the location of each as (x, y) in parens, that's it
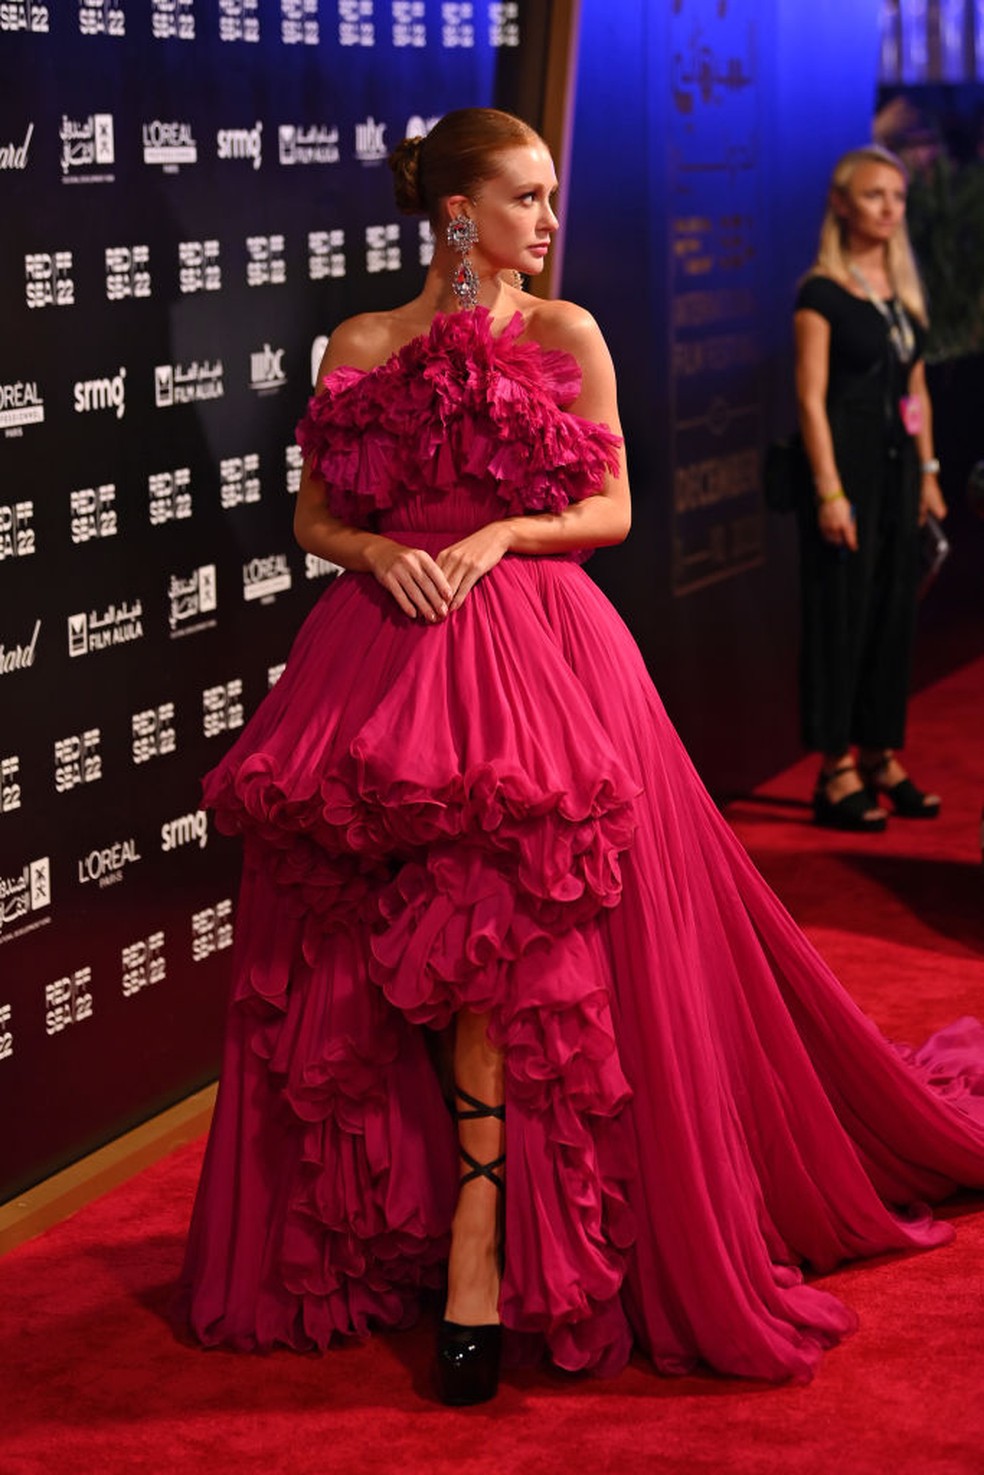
(193, 193)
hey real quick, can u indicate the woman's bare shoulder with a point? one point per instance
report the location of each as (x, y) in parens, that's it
(559, 324)
(572, 329)
(360, 342)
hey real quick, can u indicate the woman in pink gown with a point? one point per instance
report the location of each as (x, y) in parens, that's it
(465, 814)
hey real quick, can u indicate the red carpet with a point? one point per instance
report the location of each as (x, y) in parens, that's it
(94, 1380)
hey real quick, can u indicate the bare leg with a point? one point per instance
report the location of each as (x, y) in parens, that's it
(882, 766)
(848, 782)
(473, 1265)
(884, 763)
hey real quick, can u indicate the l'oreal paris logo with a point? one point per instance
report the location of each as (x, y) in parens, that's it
(20, 404)
(169, 144)
(105, 866)
(265, 577)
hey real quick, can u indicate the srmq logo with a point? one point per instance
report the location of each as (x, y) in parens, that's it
(185, 830)
(102, 394)
(241, 143)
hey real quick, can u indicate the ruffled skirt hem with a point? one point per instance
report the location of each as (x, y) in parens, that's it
(494, 814)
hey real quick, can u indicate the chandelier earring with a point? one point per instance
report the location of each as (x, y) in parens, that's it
(462, 235)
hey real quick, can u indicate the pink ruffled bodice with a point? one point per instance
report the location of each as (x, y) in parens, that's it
(460, 426)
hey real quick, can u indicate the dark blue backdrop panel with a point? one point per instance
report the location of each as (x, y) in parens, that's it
(194, 192)
(704, 135)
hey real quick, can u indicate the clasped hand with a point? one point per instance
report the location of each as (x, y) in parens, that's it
(433, 588)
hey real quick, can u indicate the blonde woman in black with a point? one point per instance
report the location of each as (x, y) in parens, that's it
(866, 419)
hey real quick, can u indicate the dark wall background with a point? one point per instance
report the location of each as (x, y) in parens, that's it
(705, 131)
(149, 585)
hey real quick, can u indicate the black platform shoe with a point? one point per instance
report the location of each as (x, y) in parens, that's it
(468, 1357)
(468, 1362)
(907, 801)
(847, 813)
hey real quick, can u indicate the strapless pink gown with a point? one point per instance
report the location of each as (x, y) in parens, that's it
(495, 813)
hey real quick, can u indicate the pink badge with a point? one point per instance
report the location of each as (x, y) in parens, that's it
(910, 408)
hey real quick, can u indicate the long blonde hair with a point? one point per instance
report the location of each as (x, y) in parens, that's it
(831, 259)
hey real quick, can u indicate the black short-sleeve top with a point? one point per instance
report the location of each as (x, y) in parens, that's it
(864, 369)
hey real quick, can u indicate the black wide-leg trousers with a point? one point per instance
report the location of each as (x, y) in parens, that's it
(859, 610)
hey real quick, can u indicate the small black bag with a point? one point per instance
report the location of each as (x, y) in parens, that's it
(787, 480)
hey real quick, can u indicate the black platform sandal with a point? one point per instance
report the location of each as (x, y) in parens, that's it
(907, 801)
(468, 1357)
(847, 813)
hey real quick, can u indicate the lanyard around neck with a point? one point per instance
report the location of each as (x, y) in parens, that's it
(900, 334)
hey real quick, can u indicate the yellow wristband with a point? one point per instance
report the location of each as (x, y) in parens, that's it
(831, 496)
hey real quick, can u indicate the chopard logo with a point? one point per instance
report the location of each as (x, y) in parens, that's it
(13, 155)
(19, 657)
